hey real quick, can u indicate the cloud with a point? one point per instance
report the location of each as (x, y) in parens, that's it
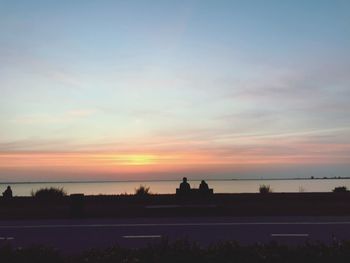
(23, 61)
(80, 113)
(45, 118)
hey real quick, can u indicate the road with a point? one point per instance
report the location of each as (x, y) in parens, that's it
(77, 235)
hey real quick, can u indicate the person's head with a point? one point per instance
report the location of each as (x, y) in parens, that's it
(8, 187)
(184, 179)
(203, 182)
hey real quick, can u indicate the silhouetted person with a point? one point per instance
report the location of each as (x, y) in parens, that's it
(184, 186)
(203, 187)
(7, 193)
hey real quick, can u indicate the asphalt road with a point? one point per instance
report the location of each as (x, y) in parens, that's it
(76, 235)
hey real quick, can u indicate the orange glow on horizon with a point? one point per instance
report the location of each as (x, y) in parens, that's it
(142, 162)
(149, 162)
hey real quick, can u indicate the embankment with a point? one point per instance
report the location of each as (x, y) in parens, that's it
(250, 204)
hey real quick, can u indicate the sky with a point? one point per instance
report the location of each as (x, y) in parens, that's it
(141, 90)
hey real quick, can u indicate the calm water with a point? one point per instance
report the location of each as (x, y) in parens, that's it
(165, 187)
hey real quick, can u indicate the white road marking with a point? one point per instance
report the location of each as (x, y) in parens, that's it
(162, 206)
(7, 238)
(144, 236)
(289, 235)
(179, 206)
(172, 224)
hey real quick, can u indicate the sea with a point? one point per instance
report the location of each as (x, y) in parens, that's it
(169, 187)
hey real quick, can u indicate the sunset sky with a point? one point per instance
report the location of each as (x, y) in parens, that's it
(130, 90)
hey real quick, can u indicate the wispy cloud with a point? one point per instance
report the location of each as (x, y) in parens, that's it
(46, 118)
(26, 62)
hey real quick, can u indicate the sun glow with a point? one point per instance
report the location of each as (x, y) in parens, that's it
(135, 159)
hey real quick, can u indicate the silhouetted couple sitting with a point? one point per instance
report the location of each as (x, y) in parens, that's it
(7, 193)
(186, 188)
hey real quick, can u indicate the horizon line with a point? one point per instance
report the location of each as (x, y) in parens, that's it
(175, 180)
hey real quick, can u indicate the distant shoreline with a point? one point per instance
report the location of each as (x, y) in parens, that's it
(173, 180)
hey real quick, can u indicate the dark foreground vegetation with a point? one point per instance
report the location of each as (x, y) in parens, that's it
(184, 251)
(49, 193)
